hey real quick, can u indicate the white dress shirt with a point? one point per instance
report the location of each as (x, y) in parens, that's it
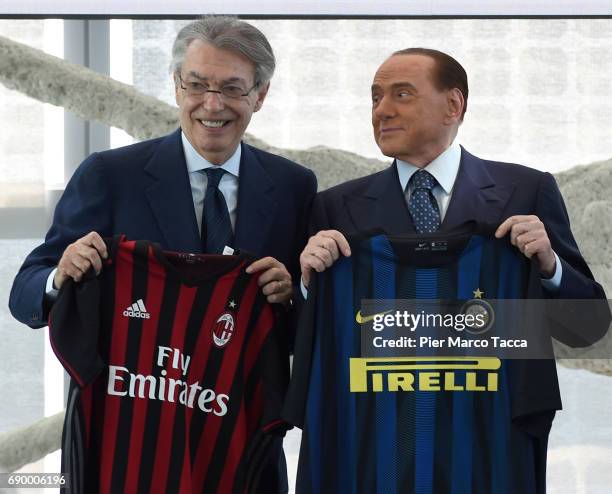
(198, 180)
(444, 169)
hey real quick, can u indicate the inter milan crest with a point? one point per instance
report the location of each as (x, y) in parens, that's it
(481, 310)
(223, 329)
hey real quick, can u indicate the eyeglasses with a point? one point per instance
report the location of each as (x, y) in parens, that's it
(231, 91)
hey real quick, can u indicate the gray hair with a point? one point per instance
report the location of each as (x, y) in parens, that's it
(228, 33)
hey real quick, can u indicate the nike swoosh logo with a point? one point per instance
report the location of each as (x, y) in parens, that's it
(363, 319)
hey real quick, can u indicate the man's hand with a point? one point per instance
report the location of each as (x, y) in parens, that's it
(321, 251)
(78, 257)
(529, 235)
(274, 280)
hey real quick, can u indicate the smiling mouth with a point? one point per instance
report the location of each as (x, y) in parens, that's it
(214, 124)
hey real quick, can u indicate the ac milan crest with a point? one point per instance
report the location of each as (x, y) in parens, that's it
(223, 329)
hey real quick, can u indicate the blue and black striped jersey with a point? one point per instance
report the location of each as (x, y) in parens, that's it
(480, 428)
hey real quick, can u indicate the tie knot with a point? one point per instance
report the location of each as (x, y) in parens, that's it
(214, 176)
(422, 179)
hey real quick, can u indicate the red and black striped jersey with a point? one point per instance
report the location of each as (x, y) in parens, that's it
(178, 366)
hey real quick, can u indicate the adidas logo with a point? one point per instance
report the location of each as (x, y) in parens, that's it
(137, 309)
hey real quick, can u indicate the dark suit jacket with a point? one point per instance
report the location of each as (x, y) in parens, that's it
(486, 193)
(143, 191)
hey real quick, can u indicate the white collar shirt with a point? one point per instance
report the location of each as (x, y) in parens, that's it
(444, 169)
(199, 180)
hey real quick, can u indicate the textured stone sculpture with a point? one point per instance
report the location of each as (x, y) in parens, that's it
(86, 93)
(28, 444)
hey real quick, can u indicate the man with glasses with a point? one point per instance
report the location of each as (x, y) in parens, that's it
(199, 189)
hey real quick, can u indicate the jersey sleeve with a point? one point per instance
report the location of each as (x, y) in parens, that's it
(74, 325)
(295, 401)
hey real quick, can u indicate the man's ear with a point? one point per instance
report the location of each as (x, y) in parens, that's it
(261, 96)
(455, 103)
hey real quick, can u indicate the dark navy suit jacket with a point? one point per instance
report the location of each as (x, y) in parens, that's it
(143, 191)
(486, 192)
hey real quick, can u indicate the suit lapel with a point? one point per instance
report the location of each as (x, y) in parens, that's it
(256, 204)
(169, 196)
(476, 196)
(382, 206)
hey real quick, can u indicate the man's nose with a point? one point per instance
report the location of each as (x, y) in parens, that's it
(385, 108)
(213, 101)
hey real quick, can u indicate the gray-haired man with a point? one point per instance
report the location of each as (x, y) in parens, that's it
(157, 190)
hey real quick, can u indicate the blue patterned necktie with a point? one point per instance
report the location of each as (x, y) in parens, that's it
(422, 205)
(216, 224)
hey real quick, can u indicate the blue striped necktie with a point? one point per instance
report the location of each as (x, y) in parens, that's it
(422, 205)
(216, 224)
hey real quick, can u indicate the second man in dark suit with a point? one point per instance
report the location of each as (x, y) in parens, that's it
(419, 99)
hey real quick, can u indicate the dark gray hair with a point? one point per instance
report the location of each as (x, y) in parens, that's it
(449, 74)
(228, 33)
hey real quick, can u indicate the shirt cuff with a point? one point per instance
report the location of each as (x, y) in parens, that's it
(303, 289)
(50, 290)
(553, 284)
